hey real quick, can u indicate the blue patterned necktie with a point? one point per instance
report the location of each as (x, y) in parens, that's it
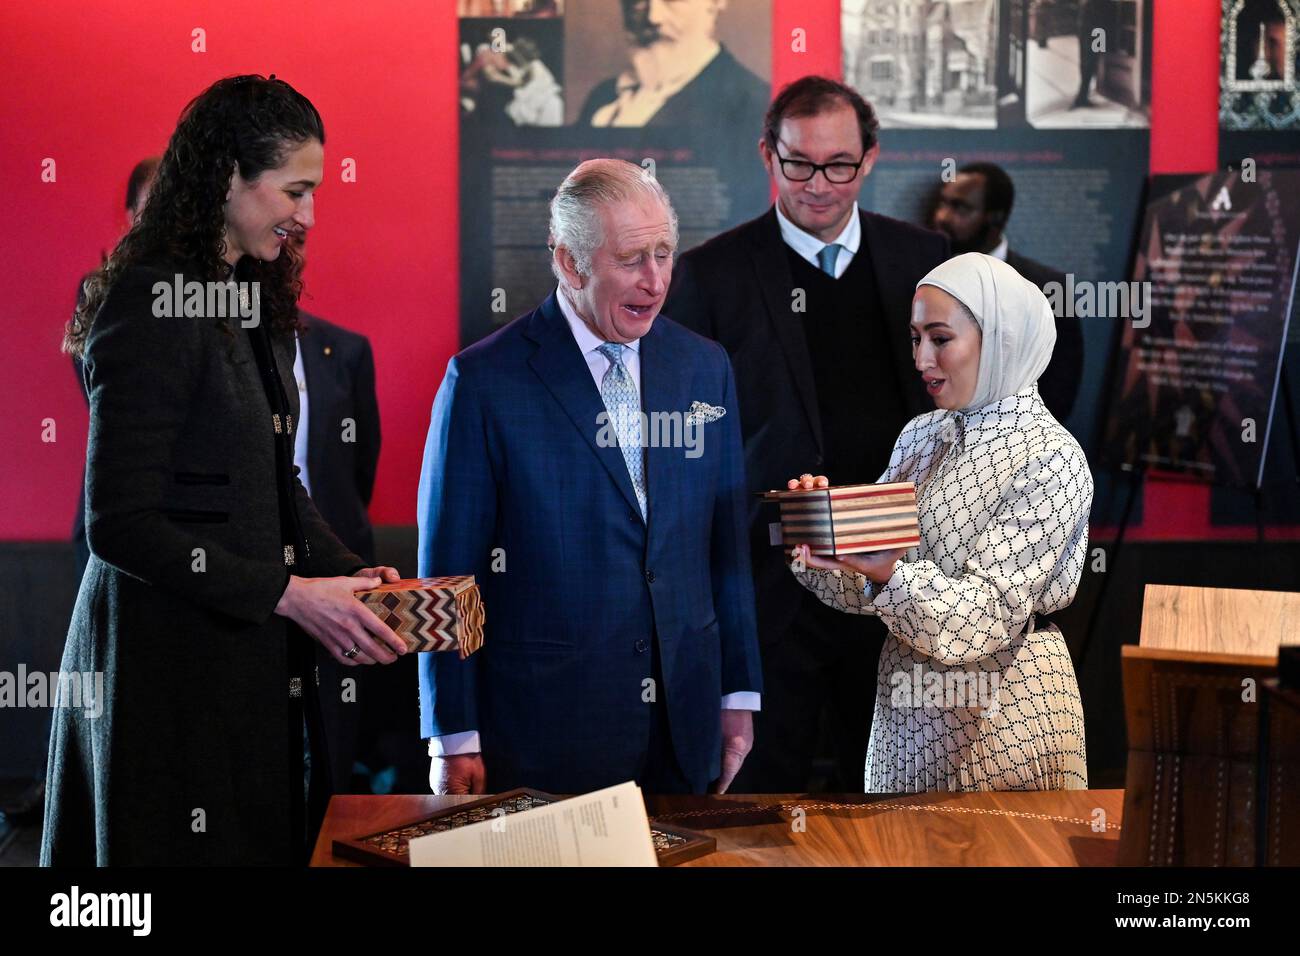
(826, 258)
(624, 407)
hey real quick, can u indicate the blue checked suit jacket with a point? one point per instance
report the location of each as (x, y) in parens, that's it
(513, 462)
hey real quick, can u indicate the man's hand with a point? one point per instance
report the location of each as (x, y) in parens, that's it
(737, 739)
(459, 773)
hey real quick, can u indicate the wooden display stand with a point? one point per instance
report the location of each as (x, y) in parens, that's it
(1196, 787)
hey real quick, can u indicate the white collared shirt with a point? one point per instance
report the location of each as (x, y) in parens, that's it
(809, 246)
(1000, 250)
(589, 343)
(300, 429)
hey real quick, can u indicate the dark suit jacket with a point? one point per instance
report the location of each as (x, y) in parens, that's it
(736, 289)
(1059, 383)
(340, 388)
(340, 373)
(515, 461)
(180, 469)
(725, 88)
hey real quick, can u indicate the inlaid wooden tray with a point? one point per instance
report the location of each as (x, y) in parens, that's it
(391, 847)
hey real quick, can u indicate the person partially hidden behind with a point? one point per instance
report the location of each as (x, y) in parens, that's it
(620, 640)
(810, 300)
(975, 687)
(973, 211)
(336, 450)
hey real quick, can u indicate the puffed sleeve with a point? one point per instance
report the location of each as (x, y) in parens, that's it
(1028, 557)
(851, 593)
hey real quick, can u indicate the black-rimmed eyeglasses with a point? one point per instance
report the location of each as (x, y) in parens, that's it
(800, 170)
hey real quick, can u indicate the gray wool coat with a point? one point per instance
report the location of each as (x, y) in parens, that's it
(187, 762)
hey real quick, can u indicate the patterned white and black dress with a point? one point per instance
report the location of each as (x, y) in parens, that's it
(973, 692)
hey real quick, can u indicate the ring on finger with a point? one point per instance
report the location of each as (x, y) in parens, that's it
(352, 653)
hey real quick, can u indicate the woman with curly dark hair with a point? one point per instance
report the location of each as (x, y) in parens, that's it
(211, 570)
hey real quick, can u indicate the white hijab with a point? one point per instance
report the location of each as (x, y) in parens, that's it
(1015, 319)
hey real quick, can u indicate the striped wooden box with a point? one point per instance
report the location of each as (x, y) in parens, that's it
(431, 614)
(849, 519)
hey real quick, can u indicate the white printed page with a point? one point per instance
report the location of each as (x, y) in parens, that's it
(605, 828)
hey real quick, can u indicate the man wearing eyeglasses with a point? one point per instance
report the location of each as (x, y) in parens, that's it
(812, 300)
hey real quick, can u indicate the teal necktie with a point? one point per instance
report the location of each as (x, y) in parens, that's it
(826, 258)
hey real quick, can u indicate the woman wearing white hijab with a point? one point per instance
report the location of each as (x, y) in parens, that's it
(975, 691)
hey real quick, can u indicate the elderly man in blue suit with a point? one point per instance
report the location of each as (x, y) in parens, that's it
(584, 463)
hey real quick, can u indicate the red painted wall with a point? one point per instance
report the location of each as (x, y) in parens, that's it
(97, 86)
(97, 89)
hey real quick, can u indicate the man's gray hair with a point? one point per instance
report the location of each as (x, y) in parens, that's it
(575, 210)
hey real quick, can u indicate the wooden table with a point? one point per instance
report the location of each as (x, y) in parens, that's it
(1050, 828)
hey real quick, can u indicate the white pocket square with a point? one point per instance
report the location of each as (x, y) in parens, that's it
(702, 413)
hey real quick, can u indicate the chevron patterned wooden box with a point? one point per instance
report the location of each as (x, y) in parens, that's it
(431, 614)
(849, 519)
